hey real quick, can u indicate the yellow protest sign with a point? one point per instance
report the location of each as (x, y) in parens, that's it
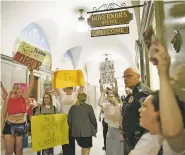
(67, 78)
(49, 131)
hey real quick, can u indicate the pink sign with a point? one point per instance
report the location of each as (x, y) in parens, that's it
(24, 86)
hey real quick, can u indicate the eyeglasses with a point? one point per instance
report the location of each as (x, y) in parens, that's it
(129, 76)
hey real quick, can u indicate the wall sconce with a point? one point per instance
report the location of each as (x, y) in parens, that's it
(81, 25)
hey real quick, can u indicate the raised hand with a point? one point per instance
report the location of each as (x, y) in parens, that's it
(103, 92)
(159, 56)
(30, 68)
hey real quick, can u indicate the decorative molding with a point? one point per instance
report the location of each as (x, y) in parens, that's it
(5, 57)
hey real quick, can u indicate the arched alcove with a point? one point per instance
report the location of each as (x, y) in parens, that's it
(35, 36)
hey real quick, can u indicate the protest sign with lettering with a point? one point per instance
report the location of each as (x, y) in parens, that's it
(107, 72)
(49, 131)
(67, 78)
(29, 55)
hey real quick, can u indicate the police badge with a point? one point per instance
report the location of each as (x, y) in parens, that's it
(131, 99)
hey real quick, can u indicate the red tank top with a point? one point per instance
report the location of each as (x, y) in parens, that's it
(16, 105)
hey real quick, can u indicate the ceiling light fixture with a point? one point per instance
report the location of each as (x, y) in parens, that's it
(81, 25)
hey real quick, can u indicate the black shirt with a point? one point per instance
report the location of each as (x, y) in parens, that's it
(130, 109)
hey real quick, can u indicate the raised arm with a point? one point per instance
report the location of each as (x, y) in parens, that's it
(4, 92)
(101, 99)
(101, 86)
(29, 89)
(116, 85)
(57, 91)
(169, 109)
(3, 115)
(80, 90)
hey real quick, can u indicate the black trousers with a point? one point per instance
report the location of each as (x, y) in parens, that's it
(69, 149)
(105, 130)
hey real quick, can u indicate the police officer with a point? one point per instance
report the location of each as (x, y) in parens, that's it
(130, 125)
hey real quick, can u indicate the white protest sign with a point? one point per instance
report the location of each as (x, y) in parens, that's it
(107, 72)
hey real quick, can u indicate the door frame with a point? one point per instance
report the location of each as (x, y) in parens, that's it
(36, 74)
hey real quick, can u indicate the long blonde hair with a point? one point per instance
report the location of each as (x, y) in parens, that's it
(81, 99)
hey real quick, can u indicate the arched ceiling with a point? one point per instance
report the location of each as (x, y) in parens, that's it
(58, 19)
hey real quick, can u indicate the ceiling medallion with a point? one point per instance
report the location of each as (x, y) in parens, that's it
(176, 42)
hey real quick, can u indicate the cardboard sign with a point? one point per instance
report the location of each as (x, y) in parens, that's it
(107, 72)
(67, 78)
(29, 55)
(49, 131)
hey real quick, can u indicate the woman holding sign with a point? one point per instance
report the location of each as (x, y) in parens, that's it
(47, 108)
(112, 108)
(13, 123)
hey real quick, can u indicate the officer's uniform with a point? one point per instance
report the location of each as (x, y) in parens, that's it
(130, 113)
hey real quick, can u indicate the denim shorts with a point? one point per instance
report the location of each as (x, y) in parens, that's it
(17, 129)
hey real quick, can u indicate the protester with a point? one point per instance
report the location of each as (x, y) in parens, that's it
(47, 108)
(82, 123)
(13, 118)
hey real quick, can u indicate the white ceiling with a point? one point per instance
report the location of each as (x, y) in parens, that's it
(58, 19)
